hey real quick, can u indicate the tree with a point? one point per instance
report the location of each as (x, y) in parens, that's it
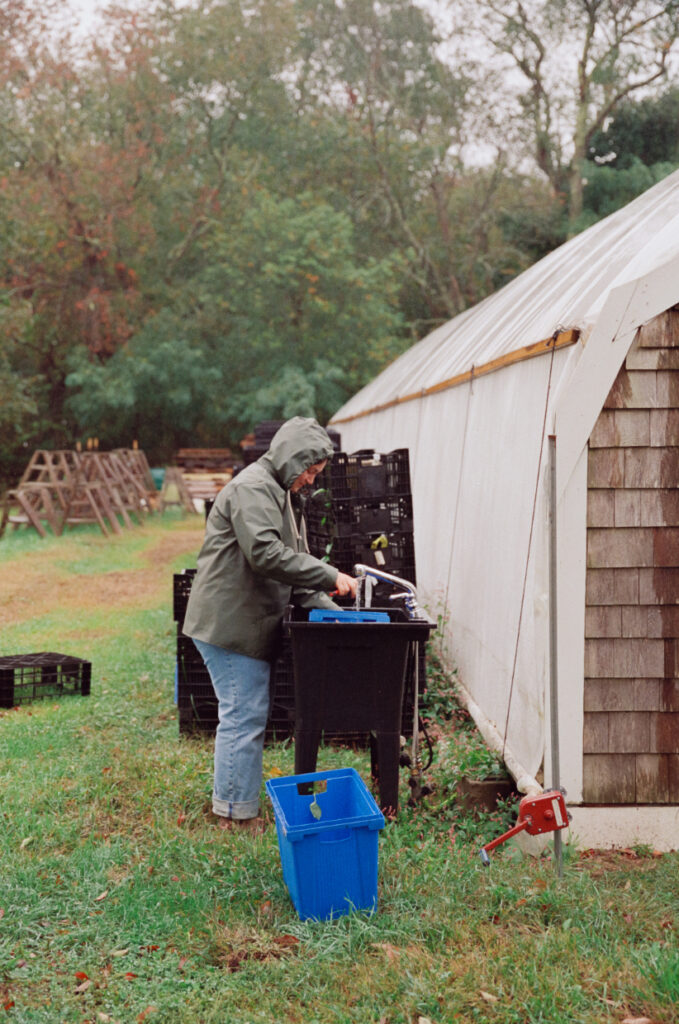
(579, 60)
(403, 120)
(282, 317)
(646, 130)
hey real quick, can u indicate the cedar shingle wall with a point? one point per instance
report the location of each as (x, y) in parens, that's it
(631, 733)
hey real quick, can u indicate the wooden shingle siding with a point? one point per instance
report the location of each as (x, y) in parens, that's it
(661, 332)
(612, 586)
(620, 548)
(622, 429)
(609, 778)
(631, 695)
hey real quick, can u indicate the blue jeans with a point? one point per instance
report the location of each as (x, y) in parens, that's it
(242, 688)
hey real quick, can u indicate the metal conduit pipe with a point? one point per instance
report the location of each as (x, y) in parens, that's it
(525, 783)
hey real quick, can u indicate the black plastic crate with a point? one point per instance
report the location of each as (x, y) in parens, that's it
(197, 703)
(344, 516)
(42, 676)
(187, 652)
(368, 474)
(266, 431)
(182, 582)
(392, 552)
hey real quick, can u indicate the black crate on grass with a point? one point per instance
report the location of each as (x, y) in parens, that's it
(180, 593)
(197, 703)
(42, 676)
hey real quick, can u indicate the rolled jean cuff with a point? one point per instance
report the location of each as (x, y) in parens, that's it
(237, 811)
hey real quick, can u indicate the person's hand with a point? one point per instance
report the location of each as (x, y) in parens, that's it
(345, 584)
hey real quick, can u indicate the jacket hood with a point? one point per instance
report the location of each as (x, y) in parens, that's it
(298, 444)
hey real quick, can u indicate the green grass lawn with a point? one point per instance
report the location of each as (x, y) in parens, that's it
(122, 901)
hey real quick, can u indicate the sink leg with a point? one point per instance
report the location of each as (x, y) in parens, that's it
(387, 748)
(306, 752)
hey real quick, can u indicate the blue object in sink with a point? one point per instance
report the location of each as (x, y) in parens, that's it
(347, 615)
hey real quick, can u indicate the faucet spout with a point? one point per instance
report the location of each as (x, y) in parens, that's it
(363, 572)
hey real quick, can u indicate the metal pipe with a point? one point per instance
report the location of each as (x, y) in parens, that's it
(553, 638)
(386, 577)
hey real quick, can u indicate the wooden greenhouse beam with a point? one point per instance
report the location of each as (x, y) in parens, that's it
(562, 340)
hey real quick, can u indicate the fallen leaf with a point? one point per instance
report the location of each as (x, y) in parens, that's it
(21, 963)
(287, 941)
(84, 987)
(627, 886)
(102, 896)
(103, 1017)
(392, 953)
(24, 842)
(182, 963)
(2, 913)
(146, 1013)
(488, 996)
(81, 976)
(120, 952)
(637, 1020)
(181, 818)
(423, 1020)
(129, 975)
(8, 1005)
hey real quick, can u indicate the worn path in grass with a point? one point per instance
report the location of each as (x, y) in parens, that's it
(35, 582)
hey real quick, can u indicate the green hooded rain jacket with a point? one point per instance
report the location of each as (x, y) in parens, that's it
(253, 562)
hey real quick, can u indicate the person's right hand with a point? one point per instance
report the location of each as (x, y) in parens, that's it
(345, 584)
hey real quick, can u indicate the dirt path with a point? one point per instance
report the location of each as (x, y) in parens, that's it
(33, 586)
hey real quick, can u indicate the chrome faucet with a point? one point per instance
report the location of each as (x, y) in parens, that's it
(366, 573)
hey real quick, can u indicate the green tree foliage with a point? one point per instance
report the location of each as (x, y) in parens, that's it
(646, 130)
(283, 316)
(636, 148)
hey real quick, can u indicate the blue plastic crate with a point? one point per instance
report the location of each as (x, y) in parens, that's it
(330, 864)
(347, 615)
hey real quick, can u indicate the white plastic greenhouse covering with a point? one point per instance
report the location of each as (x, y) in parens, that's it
(479, 463)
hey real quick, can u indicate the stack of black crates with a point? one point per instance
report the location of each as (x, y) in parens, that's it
(196, 700)
(360, 511)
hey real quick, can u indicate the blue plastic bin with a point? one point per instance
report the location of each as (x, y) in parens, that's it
(346, 615)
(330, 864)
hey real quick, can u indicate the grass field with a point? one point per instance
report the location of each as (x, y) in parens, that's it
(122, 901)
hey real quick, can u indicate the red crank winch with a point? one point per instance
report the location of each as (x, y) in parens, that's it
(538, 813)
